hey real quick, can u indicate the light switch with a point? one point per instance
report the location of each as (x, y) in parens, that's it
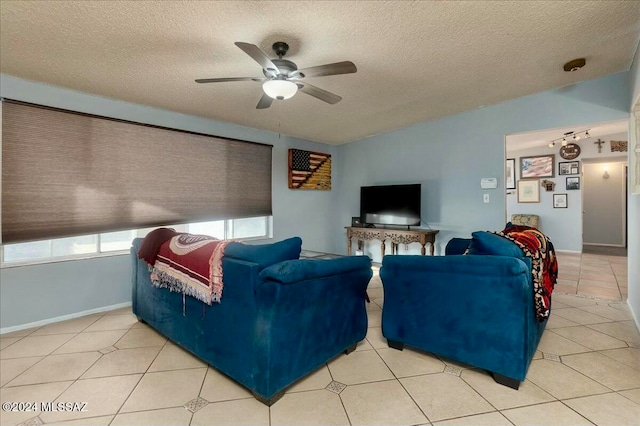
(485, 198)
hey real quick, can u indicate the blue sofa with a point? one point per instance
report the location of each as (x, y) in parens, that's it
(477, 309)
(279, 319)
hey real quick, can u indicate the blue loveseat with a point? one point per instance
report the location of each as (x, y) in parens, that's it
(279, 319)
(477, 309)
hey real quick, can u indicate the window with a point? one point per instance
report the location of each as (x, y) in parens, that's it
(117, 242)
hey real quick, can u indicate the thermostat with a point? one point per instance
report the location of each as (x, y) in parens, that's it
(488, 183)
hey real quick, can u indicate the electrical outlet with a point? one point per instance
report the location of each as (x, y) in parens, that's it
(485, 198)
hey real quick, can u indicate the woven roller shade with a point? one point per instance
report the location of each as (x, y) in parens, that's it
(66, 173)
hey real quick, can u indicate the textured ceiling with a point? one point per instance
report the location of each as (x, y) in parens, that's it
(416, 61)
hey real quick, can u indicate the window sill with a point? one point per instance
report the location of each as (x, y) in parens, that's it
(63, 259)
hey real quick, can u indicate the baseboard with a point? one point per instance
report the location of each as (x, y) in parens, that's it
(636, 318)
(63, 318)
(569, 251)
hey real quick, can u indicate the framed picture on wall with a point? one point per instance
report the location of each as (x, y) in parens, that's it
(568, 167)
(537, 166)
(559, 201)
(510, 173)
(573, 183)
(529, 191)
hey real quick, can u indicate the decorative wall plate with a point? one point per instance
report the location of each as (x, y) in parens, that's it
(570, 151)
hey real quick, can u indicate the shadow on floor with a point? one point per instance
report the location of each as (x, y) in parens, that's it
(604, 250)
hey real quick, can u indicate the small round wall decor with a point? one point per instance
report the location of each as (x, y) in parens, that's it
(570, 151)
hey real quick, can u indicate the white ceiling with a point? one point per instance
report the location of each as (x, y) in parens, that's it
(417, 61)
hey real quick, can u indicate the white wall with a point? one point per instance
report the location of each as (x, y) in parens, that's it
(449, 156)
(107, 280)
(563, 226)
(633, 206)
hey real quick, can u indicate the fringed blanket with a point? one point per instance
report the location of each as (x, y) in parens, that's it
(191, 264)
(544, 265)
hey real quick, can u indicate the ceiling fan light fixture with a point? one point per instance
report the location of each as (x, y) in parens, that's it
(280, 89)
(574, 65)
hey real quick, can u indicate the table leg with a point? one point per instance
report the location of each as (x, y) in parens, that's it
(423, 251)
(382, 248)
(431, 248)
(348, 245)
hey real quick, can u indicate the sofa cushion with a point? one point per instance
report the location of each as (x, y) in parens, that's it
(265, 254)
(487, 243)
(294, 271)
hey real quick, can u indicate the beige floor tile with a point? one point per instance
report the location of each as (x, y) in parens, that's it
(113, 322)
(317, 380)
(91, 421)
(57, 368)
(553, 343)
(410, 362)
(5, 342)
(91, 341)
(572, 300)
(244, 412)
(122, 311)
(607, 409)
(19, 333)
(599, 292)
(103, 396)
(537, 355)
(372, 307)
(35, 346)
(375, 338)
(319, 407)
(580, 316)
(375, 293)
(359, 367)
(555, 321)
(44, 393)
(596, 283)
(165, 417)
(605, 278)
(590, 338)
(364, 345)
(620, 330)
(173, 357)
(381, 403)
(378, 302)
(632, 394)
(604, 370)
(445, 396)
(556, 304)
(564, 288)
(552, 413)
(165, 389)
(75, 325)
(562, 381)
(12, 368)
(375, 318)
(140, 338)
(122, 362)
(218, 387)
(627, 356)
(614, 314)
(502, 397)
(488, 419)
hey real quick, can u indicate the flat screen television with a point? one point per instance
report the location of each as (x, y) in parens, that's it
(390, 205)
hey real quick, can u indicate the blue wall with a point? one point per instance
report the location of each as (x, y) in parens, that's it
(449, 156)
(303, 213)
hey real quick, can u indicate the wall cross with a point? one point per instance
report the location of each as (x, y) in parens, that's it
(599, 143)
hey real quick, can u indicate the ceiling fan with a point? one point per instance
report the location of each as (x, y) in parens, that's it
(282, 78)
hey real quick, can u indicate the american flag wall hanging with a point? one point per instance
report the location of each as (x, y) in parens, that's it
(309, 170)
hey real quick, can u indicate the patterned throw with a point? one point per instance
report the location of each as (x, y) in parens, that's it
(544, 270)
(190, 264)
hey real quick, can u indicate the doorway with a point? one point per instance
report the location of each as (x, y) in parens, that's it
(604, 222)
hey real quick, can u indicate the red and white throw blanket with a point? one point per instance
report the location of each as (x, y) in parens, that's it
(544, 265)
(191, 264)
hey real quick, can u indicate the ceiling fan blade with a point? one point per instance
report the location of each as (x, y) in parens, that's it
(264, 102)
(346, 67)
(222, 80)
(319, 93)
(258, 55)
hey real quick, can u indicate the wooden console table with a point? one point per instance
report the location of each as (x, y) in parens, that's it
(397, 237)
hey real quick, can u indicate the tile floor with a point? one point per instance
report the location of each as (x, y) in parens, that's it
(586, 371)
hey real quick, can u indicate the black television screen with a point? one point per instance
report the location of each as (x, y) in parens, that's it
(390, 205)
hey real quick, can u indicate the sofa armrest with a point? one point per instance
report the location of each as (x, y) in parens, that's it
(292, 271)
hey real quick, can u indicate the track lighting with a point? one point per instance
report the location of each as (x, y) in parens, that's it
(574, 136)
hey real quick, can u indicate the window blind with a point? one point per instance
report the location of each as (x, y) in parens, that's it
(67, 173)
